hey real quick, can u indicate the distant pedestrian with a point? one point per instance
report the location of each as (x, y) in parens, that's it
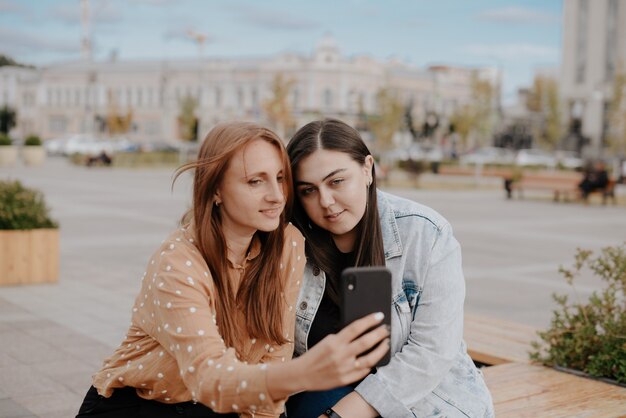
(211, 332)
(596, 177)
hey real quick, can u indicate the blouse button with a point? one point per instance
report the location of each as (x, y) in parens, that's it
(303, 306)
(316, 271)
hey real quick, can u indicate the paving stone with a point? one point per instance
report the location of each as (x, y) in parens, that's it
(45, 405)
(19, 379)
(11, 409)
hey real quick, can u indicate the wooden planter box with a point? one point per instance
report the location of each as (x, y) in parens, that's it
(29, 257)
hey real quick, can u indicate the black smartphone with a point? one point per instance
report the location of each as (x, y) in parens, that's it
(365, 290)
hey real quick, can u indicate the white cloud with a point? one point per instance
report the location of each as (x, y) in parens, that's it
(514, 51)
(7, 6)
(100, 13)
(16, 42)
(515, 14)
(271, 19)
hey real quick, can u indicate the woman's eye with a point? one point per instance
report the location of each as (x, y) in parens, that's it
(335, 182)
(255, 182)
(280, 179)
(306, 191)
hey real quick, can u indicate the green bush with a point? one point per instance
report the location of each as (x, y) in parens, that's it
(32, 141)
(5, 140)
(22, 208)
(591, 336)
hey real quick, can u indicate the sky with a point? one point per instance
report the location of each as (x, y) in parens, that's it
(515, 36)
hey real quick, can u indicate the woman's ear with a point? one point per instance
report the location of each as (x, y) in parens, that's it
(217, 199)
(367, 166)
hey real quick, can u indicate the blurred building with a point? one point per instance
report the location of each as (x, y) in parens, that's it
(80, 97)
(594, 49)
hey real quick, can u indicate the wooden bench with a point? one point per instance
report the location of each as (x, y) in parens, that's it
(561, 185)
(492, 341)
(524, 390)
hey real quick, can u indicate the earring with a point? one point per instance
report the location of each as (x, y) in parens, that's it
(217, 203)
(310, 226)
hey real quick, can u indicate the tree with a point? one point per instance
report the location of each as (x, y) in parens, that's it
(187, 120)
(617, 116)
(543, 101)
(474, 121)
(5, 60)
(408, 120)
(277, 107)
(8, 119)
(388, 120)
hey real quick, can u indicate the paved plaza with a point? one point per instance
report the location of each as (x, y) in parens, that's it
(55, 336)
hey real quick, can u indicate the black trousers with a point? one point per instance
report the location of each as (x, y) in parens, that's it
(125, 403)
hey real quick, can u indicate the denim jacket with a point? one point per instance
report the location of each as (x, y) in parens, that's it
(430, 373)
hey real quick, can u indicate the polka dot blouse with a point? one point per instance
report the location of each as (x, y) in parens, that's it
(174, 352)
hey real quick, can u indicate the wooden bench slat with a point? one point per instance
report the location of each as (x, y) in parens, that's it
(491, 341)
(525, 390)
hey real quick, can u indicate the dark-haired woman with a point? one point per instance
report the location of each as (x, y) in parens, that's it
(211, 331)
(347, 222)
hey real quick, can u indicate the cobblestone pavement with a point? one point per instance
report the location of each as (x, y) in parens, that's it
(53, 337)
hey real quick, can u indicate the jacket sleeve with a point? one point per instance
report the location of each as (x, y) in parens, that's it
(435, 335)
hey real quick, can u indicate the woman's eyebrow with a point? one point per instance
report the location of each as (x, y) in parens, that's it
(332, 173)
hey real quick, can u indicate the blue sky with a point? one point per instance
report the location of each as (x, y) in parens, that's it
(517, 36)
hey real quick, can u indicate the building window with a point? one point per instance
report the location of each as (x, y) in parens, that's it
(58, 124)
(139, 97)
(581, 40)
(328, 98)
(611, 40)
(296, 98)
(218, 97)
(240, 102)
(255, 97)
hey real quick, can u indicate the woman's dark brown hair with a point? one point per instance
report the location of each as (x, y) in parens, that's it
(335, 135)
(259, 294)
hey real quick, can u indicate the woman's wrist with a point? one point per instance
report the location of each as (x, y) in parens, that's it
(286, 379)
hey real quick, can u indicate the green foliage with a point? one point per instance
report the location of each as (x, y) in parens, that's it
(22, 208)
(5, 140)
(5, 60)
(591, 336)
(32, 141)
(187, 120)
(388, 120)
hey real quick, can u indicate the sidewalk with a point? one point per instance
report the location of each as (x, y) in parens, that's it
(55, 336)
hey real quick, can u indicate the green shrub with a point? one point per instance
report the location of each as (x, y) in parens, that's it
(5, 140)
(22, 208)
(32, 141)
(591, 336)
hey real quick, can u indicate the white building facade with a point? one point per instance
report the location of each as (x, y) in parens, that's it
(71, 98)
(594, 50)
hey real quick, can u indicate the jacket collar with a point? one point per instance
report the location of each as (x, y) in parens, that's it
(391, 234)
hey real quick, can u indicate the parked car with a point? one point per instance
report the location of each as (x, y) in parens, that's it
(535, 157)
(488, 155)
(418, 152)
(89, 145)
(569, 159)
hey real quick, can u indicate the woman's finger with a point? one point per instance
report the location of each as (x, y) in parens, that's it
(369, 340)
(369, 360)
(358, 327)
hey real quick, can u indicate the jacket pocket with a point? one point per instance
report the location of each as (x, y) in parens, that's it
(403, 316)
